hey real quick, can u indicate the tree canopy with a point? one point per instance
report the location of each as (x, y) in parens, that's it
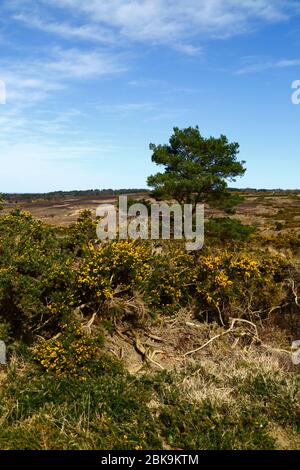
(196, 169)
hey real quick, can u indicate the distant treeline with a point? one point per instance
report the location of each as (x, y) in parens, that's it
(75, 193)
(16, 197)
(268, 191)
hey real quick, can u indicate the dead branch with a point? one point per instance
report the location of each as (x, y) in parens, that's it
(233, 322)
(294, 290)
(220, 316)
(87, 328)
(156, 338)
(135, 341)
(145, 354)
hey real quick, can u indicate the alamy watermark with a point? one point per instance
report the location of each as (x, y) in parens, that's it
(2, 92)
(296, 93)
(156, 221)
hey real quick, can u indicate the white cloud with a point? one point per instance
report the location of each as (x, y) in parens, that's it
(260, 66)
(189, 49)
(23, 88)
(288, 63)
(160, 20)
(73, 63)
(83, 32)
(146, 83)
(170, 22)
(125, 108)
(33, 80)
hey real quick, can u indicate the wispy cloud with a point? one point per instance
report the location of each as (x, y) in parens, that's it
(146, 83)
(261, 66)
(30, 82)
(189, 49)
(78, 64)
(125, 108)
(84, 32)
(35, 79)
(165, 19)
(56, 54)
(24, 88)
(170, 22)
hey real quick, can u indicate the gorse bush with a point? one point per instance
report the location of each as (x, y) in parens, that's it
(62, 292)
(169, 284)
(35, 275)
(81, 233)
(49, 275)
(123, 263)
(71, 353)
(116, 268)
(231, 284)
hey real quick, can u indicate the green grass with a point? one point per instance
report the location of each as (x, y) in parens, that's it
(114, 410)
(274, 396)
(108, 411)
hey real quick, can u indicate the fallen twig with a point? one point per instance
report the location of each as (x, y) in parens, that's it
(233, 322)
(294, 290)
(87, 328)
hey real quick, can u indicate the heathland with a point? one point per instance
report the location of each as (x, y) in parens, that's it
(142, 345)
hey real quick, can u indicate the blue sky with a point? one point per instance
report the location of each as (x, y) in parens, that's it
(90, 84)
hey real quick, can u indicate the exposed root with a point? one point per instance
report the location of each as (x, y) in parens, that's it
(229, 330)
(87, 328)
(294, 290)
(233, 322)
(147, 353)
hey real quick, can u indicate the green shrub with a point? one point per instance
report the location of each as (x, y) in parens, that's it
(224, 229)
(35, 274)
(82, 232)
(72, 352)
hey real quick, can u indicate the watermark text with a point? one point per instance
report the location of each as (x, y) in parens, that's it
(162, 221)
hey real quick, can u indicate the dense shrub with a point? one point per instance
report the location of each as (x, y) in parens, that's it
(73, 352)
(80, 233)
(35, 275)
(169, 284)
(238, 285)
(122, 265)
(224, 229)
(47, 274)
